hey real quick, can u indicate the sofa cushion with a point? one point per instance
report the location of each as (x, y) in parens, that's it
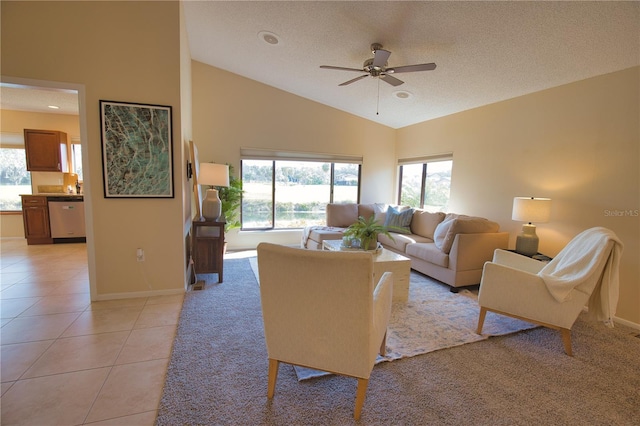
(467, 225)
(428, 252)
(400, 241)
(424, 223)
(398, 221)
(342, 215)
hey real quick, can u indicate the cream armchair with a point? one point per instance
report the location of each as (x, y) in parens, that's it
(554, 294)
(321, 310)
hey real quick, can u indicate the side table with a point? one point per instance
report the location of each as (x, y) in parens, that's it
(207, 247)
(538, 256)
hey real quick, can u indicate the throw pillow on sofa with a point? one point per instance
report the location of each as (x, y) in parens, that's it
(398, 221)
(375, 210)
(441, 231)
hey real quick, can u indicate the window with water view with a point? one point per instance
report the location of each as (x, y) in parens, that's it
(294, 194)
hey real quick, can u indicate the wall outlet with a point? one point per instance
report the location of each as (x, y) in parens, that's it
(140, 255)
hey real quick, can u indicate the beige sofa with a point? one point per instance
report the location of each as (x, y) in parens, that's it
(449, 247)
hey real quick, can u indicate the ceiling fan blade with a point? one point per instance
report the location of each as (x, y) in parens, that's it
(380, 58)
(391, 80)
(353, 80)
(412, 68)
(330, 67)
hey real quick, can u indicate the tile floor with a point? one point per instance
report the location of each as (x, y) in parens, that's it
(68, 361)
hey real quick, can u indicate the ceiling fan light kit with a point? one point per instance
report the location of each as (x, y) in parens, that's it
(377, 67)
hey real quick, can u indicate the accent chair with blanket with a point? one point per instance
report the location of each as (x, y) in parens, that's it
(553, 294)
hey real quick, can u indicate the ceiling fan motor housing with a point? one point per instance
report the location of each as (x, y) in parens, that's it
(373, 70)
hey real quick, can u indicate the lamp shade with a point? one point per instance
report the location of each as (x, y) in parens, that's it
(213, 174)
(530, 209)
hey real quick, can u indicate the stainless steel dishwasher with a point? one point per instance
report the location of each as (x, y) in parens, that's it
(66, 216)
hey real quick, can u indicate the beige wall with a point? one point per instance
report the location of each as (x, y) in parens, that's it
(577, 144)
(122, 51)
(186, 126)
(230, 112)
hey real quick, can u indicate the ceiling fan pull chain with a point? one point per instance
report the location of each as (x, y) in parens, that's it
(378, 102)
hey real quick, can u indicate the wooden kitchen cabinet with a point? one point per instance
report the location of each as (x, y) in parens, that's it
(46, 150)
(35, 214)
(207, 247)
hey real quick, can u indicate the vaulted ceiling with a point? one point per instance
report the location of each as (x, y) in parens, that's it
(485, 52)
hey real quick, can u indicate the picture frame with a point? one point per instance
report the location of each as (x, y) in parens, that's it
(137, 150)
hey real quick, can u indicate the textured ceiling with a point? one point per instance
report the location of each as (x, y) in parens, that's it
(485, 51)
(26, 98)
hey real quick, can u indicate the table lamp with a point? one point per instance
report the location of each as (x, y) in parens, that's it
(214, 175)
(530, 209)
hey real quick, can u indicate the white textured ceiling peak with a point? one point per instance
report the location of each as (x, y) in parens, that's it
(485, 51)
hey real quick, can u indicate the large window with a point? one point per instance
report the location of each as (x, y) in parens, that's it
(294, 194)
(14, 178)
(426, 184)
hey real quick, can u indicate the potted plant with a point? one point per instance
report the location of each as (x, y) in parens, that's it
(231, 197)
(366, 231)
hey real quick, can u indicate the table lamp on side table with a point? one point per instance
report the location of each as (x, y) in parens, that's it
(530, 209)
(214, 175)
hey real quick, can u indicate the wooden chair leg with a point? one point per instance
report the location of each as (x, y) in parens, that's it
(483, 313)
(273, 376)
(361, 393)
(566, 339)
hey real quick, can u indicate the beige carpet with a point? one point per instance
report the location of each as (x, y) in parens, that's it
(217, 375)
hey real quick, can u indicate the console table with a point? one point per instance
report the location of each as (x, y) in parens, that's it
(207, 247)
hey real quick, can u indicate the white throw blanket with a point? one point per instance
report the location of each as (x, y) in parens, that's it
(576, 264)
(307, 231)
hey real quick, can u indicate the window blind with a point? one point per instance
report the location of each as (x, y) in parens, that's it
(269, 154)
(426, 159)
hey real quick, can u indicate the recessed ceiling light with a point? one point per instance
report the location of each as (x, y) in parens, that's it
(402, 94)
(53, 107)
(269, 37)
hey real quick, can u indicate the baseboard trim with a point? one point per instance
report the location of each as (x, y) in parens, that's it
(133, 295)
(630, 324)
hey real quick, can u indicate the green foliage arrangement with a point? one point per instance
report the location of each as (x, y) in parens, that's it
(367, 231)
(231, 197)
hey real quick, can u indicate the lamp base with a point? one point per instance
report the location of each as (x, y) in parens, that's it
(527, 241)
(211, 205)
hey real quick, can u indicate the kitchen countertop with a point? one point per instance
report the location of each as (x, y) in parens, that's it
(54, 194)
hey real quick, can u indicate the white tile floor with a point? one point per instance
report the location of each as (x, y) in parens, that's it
(67, 361)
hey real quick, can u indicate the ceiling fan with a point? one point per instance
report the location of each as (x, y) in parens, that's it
(377, 67)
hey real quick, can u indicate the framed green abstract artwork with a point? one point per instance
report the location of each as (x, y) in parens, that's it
(137, 150)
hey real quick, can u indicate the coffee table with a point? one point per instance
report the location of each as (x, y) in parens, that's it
(384, 261)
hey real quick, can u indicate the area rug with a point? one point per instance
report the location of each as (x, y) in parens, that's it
(434, 318)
